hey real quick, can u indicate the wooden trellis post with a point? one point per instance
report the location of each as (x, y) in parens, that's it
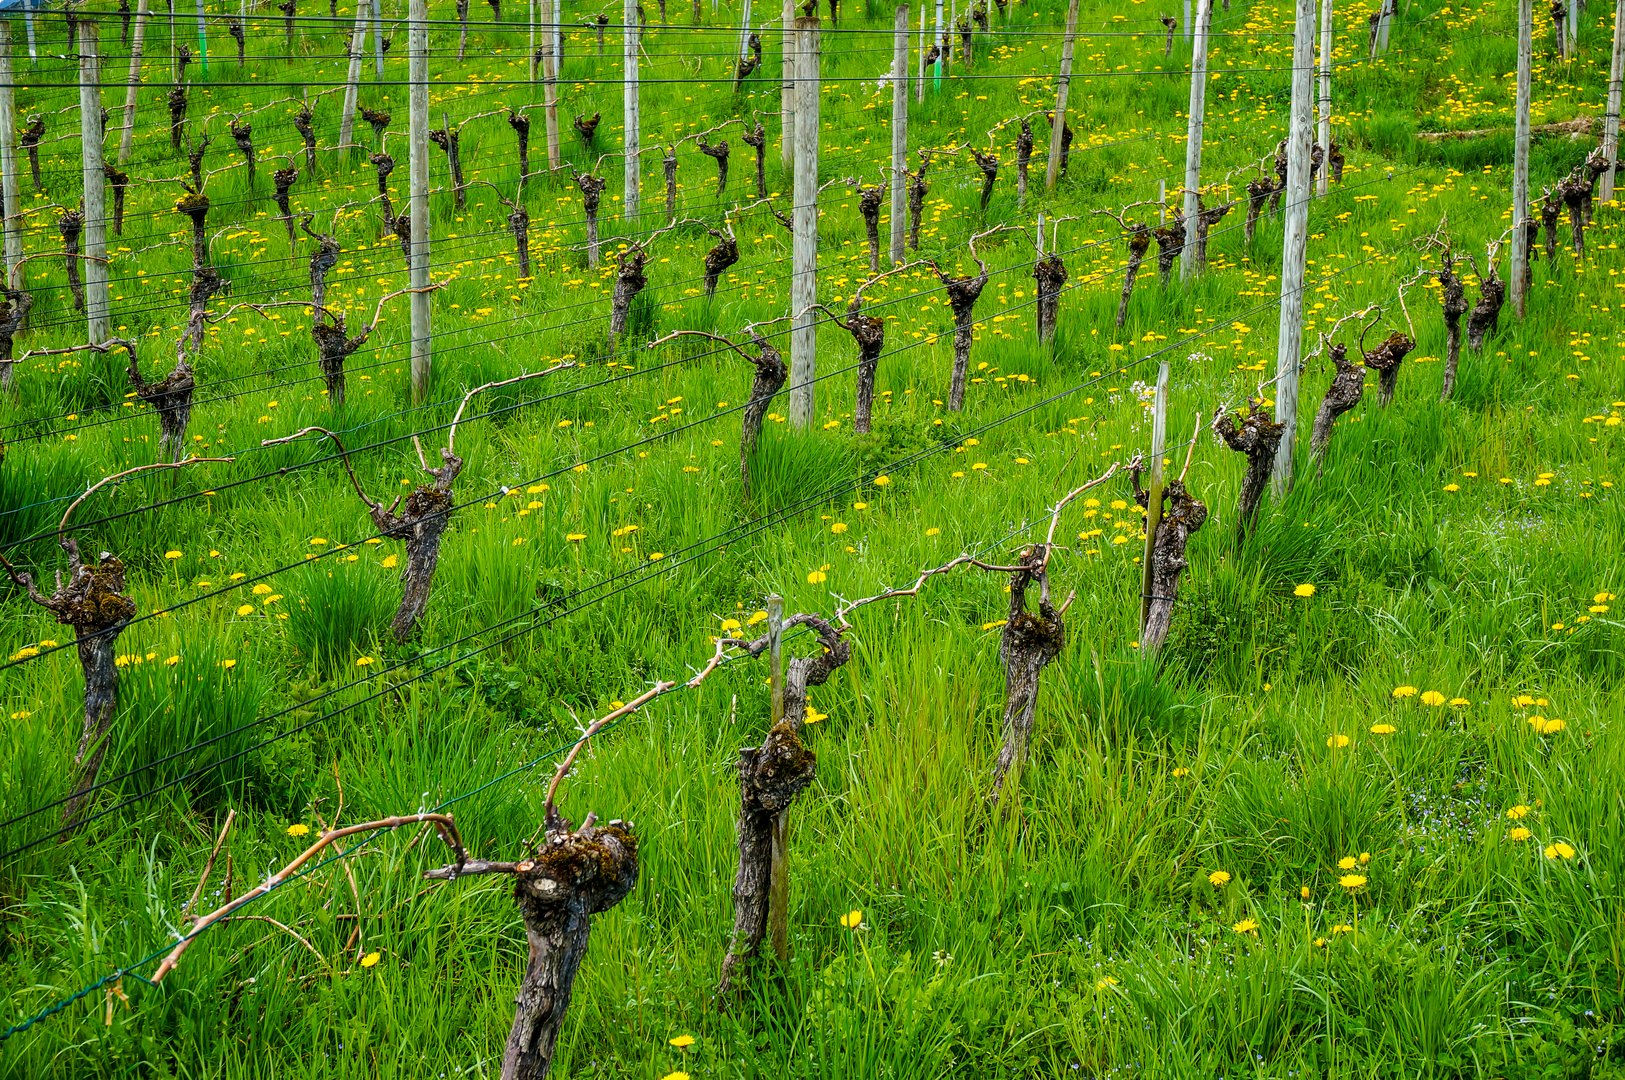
(418, 177)
(95, 182)
(1610, 124)
(1520, 158)
(1053, 173)
(13, 237)
(631, 174)
(352, 82)
(804, 271)
(899, 129)
(1188, 266)
(787, 91)
(1289, 348)
(126, 140)
(1159, 435)
(1325, 109)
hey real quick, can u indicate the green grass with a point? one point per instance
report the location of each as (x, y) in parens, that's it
(1459, 549)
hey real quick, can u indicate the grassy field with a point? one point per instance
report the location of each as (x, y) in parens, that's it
(1443, 707)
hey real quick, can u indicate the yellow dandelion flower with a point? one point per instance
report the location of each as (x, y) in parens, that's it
(1352, 882)
(1559, 850)
(1219, 879)
(1304, 590)
(1383, 729)
(370, 960)
(682, 1042)
(852, 919)
(1404, 691)
(298, 829)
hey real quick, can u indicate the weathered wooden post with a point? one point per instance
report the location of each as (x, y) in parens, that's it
(1520, 159)
(418, 178)
(804, 271)
(1289, 348)
(1053, 173)
(899, 129)
(1610, 124)
(632, 173)
(1188, 264)
(95, 182)
(352, 83)
(1159, 435)
(9, 191)
(1325, 108)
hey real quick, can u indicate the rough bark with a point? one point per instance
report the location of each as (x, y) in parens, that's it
(1454, 302)
(1385, 360)
(1256, 435)
(756, 139)
(119, 181)
(869, 334)
(519, 222)
(14, 307)
(963, 292)
(1575, 194)
(1024, 158)
(91, 601)
(1026, 646)
(723, 254)
(1170, 240)
(288, 8)
(1279, 187)
(770, 778)
(29, 139)
(592, 192)
(869, 200)
(1258, 192)
(449, 139)
(917, 190)
(1335, 161)
(284, 179)
(322, 260)
(194, 161)
(963, 26)
(669, 163)
(771, 372)
(420, 525)
(1050, 274)
(1348, 386)
(1066, 140)
(1182, 514)
(243, 135)
(521, 129)
(333, 348)
(748, 64)
(1486, 313)
(303, 122)
(462, 29)
(1171, 25)
(1139, 241)
(1551, 208)
(71, 224)
(383, 164)
(176, 98)
(234, 27)
(1205, 220)
(629, 281)
(989, 164)
(718, 153)
(170, 397)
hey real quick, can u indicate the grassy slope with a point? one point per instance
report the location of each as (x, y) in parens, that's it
(1084, 933)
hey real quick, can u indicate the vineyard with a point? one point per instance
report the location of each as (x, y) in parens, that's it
(909, 541)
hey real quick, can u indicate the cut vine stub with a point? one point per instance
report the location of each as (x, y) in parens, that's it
(1344, 393)
(91, 600)
(420, 526)
(449, 139)
(1050, 274)
(1487, 312)
(1182, 514)
(284, 179)
(171, 398)
(243, 136)
(519, 222)
(756, 139)
(384, 165)
(723, 254)
(1024, 157)
(917, 191)
(669, 164)
(989, 164)
(592, 192)
(1258, 192)
(1258, 436)
(303, 123)
(31, 134)
(1453, 298)
(71, 224)
(963, 292)
(629, 281)
(1139, 241)
(719, 153)
(1385, 360)
(119, 181)
(325, 257)
(14, 307)
(1027, 644)
(521, 129)
(869, 200)
(1170, 240)
(770, 778)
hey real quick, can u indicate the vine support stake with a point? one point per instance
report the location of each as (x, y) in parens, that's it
(352, 79)
(1520, 159)
(1189, 266)
(377, 39)
(804, 271)
(787, 91)
(1153, 506)
(1610, 124)
(899, 130)
(778, 901)
(418, 178)
(550, 82)
(8, 160)
(126, 141)
(629, 34)
(95, 182)
(1053, 173)
(1289, 349)
(1325, 108)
